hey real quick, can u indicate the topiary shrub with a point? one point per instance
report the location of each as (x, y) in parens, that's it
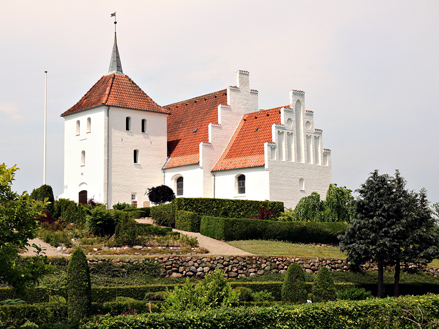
(294, 288)
(78, 286)
(323, 288)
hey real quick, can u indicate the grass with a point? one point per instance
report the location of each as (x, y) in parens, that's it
(279, 248)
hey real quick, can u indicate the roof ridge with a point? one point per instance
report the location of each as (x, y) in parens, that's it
(196, 98)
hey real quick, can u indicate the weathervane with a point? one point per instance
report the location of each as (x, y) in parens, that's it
(115, 22)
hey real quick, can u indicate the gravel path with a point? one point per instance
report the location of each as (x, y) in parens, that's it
(215, 247)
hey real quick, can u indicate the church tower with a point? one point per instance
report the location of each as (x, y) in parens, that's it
(114, 141)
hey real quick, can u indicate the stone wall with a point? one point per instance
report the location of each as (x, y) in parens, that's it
(246, 266)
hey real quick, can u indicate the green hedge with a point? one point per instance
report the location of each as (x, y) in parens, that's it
(379, 313)
(138, 212)
(108, 294)
(164, 214)
(187, 221)
(229, 229)
(36, 295)
(226, 207)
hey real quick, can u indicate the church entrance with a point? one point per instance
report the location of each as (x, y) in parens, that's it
(83, 197)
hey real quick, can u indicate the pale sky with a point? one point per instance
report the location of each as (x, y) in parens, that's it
(369, 70)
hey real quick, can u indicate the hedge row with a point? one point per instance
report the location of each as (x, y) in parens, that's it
(226, 207)
(381, 313)
(187, 221)
(138, 212)
(229, 229)
(36, 295)
(164, 214)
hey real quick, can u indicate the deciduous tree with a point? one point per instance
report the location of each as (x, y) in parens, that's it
(160, 194)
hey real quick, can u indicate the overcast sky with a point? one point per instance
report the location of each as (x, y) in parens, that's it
(369, 70)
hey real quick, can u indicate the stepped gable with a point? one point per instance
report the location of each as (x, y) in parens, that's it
(188, 126)
(246, 147)
(116, 90)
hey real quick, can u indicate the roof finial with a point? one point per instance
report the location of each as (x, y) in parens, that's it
(115, 63)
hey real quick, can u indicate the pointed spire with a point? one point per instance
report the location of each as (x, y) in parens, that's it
(115, 63)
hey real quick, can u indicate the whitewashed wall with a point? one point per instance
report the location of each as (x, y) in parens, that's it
(192, 180)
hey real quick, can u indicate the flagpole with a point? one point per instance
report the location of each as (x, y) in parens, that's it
(45, 129)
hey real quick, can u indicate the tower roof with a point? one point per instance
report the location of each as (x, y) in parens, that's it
(116, 90)
(115, 63)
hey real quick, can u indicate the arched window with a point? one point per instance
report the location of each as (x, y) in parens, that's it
(82, 158)
(128, 123)
(78, 127)
(179, 185)
(143, 126)
(136, 156)
(302, 184)
(89, 125)
(241, 184)
(82, 197)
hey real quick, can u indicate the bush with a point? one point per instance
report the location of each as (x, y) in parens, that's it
(262, 296)
(101, 221)
(122, 206)
(126, 233)
(354, 293)
(230, 229)
(294, 288)
(70, 211)
(78, 286)
(245, 294)
(323, 288)
(187, 221)
(164, 215)
(42, 193)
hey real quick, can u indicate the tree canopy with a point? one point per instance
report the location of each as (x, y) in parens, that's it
(160, 194)
(392, 226)
(17, 226)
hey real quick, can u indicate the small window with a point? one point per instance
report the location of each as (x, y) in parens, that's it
(180, 186)
(78, 127)
(302, 184)
(136, 156)
(143, 126)
(88, 125)
(128, 123)
(133, 196)
(83, 158)
(241, 184)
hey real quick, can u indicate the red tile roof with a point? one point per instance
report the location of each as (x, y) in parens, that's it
(116, 90)
(188, 126)
(246, 148)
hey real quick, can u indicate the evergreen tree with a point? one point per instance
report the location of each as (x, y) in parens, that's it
(78, 286)
(294, 287)
(323, 288)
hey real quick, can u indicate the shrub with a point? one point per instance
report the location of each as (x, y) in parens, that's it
(354, 293)
(229, 229)
(41, 194)
(187, 221)
(78, 286)
(164, 215)
(101, 221)
(262, 296)
(14, 301)
(294, 288)
(126, 232)
(323, 288)
(70, 211)
(245, 294)
(160, 194)
(122, 206)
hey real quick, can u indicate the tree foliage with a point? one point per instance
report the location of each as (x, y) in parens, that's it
(78, 286)
(293, 287)
(160, 194)
(323, 288)
(339, 204)
(44, 193)
(17, 226)
(392, 226)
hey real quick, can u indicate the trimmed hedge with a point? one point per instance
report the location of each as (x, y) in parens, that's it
(187, 221)
(164, 214)
(36, 295)
(138, 212)
(226, 207)
(229, 229)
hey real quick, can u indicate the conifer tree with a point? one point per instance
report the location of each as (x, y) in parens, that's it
(293, 287)
(323, 288)
(78, 286)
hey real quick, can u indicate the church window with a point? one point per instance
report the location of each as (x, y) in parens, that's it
(179, 185)
(241, 184)
(78, 127)
(128, 123)
(136, 156)
(83, 158)
(88, 125)
(143, 125)
(302, 184)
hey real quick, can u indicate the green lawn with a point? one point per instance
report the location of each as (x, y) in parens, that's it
(279, 248)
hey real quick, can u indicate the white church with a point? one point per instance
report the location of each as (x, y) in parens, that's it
(118, 142)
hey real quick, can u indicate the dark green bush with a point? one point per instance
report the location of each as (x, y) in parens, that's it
(152, 229)
(227, 208)
(122, 206)
(78, 286)
(42, 193)
(126, 232)
(164, 215)
(187, 221)
(354, 293)
(323, 288)
(229, 229)
(70, 211)
(101, 221)
(35, 295)
(293, 287)
(245, 294)
(40, 314)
